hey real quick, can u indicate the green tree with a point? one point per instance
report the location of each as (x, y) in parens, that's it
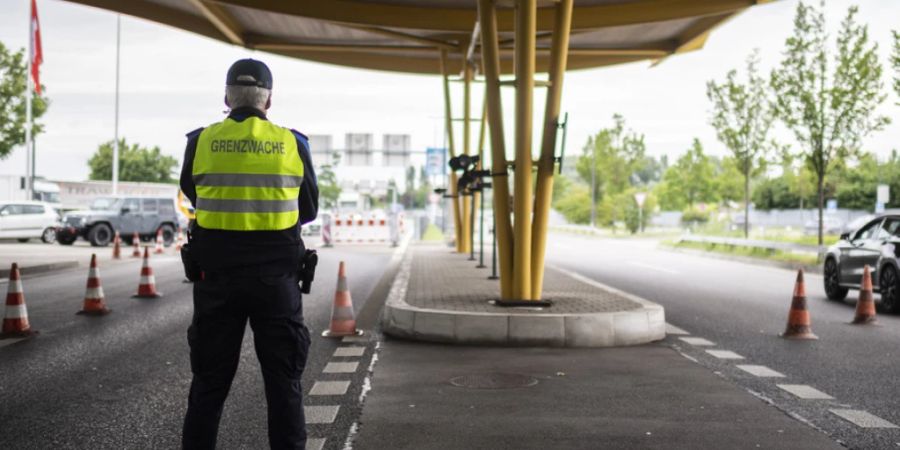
(895, 62)
(829, 112)
(329, 189)
(741, 117)
(13, 82)
(613, 159)
(136, 163)
(690, 179)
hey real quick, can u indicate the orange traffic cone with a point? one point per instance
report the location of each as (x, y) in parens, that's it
(343, 323)
(159, 242)
(15, 321)
(136, 243)
(117, 246)
(799, 326)
(147, 286)
(865, 306)
(93, 295)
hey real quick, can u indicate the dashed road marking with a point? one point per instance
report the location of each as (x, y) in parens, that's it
(349, 351)
(700, 342)
(341, 367)
(672, 329)
(652, 267)
(330, 388)
(862, 419)
(321, 414)
(760, 371)
(5, 342)
(355, 339)
(805, 392)
(724, 354)
(315, 444)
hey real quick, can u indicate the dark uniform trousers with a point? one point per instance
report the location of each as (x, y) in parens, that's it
(223, 302)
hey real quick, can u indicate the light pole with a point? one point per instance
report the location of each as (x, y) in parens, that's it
(594, 186)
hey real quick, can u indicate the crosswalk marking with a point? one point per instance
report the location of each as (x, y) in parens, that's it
(341, 367)
(700, 342)
(330, 388)
(862, 419)
(760, 371)
(349, 351)
(724, 354)
(805, 392)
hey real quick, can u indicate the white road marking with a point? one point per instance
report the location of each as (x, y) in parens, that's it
(805, 392)
(760, 371)
(862, 419)
(315, 444)
(355, 339)
(5, 342)
(349, 351)
(724, 354)
(329, 388)
(652, 267)
(341, 367)
(672, 329)
(700, 342)
(321, 414)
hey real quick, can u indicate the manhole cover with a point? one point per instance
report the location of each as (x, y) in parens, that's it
(494, 381)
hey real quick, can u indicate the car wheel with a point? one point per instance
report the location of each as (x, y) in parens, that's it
(833, 288)
(890, 291)
(100, 235)
(22, 240)
(168, 234)
(49, 235)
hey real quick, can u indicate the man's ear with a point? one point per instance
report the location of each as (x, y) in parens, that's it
(226, 102)
(269, 102)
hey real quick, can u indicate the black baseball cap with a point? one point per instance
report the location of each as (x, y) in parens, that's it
(249, 72)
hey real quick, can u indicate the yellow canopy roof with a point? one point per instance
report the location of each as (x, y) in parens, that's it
(406, 35)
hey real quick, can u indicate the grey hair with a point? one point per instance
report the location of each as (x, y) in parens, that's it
(253, 96)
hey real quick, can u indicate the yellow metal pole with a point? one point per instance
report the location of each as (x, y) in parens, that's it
(448, 111)
(490, 50)
(526, 12)
(544, 192)
(467, 211)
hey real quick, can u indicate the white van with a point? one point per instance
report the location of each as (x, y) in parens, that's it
(24, 220)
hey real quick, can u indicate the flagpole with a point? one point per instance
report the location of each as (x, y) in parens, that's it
(115, 159)
(28, 119)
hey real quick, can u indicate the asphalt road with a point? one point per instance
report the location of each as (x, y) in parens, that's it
(121, 381)
(742, 308)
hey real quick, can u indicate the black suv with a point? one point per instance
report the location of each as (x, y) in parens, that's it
(877, 245)
(127, 215)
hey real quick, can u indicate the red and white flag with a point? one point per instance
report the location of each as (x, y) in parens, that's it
(37, 55)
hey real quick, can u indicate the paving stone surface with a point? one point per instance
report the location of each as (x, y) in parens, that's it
(443, 280)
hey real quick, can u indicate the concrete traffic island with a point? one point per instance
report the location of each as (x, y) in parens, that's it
(441, 297)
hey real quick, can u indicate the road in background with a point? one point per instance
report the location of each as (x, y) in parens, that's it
(742, 308)
(121, 381)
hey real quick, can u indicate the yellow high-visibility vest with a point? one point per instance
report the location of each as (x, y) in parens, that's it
(248, 176)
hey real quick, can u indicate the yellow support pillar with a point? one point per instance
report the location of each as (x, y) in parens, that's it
(490, 49)
(544, 192)
(467, 201)
(448, 111)
(526, 28)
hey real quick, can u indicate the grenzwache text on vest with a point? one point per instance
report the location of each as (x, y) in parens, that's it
(246, 146)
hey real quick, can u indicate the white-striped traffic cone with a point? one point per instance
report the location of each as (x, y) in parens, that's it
(15, 320)
(147, 286)
(159, 242)
(343, 322)
(117, 246)
(136, 244)
(94, 304)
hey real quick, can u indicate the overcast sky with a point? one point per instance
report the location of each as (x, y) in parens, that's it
(172, 82)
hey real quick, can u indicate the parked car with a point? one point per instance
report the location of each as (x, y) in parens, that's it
(830, 225)
(127, 215)
(24, 220)
(877, 245)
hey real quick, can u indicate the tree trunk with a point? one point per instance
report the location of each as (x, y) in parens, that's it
(821, 187)
(746, 205)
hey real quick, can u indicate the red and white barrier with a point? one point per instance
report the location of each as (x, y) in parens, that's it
(359, 229)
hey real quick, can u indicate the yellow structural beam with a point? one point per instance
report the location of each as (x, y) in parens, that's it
(546, 163)
(499, 175)
(466, 200)
(524, 69)
(220, 19)
(448, 116)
